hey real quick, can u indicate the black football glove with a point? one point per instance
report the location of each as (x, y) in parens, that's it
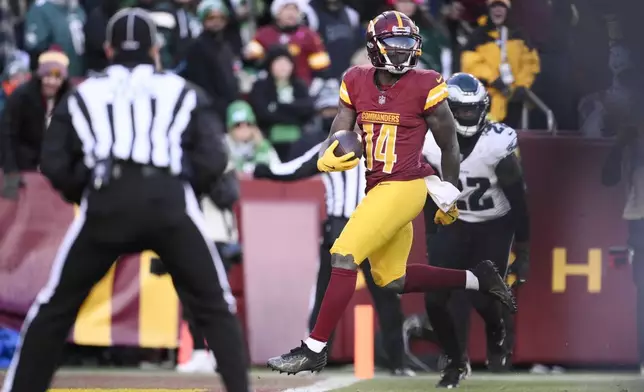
(502, 87)
(262, 171)
(521, 265)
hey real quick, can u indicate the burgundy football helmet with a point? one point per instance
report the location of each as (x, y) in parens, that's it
(393, 42)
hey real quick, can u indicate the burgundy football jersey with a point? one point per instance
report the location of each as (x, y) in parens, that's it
(393, 120)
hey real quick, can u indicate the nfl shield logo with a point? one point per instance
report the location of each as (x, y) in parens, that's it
(381, 99)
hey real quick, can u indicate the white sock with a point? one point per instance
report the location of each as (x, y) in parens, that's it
(315, 345)
(471, 281)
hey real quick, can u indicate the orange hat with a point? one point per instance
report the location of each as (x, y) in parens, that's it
(502, 2)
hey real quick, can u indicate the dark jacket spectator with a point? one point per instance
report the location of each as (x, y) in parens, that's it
(281, 101)
(210, 62)
(434, 37)
(188, 28)
(26, 116)
(339, 27)
(95, 34)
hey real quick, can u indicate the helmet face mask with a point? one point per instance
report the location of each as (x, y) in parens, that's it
(469, 103)
(393, 42)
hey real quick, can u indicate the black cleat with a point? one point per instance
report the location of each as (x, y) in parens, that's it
(452, 375)
(491, 283)
(299, 359)
(499, 356)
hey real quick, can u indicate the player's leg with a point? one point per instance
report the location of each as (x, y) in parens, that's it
(324, 275)
(78, 265)
(390, 318)
(447, 248)
(379, 216)
(198, 273)
(493, 242)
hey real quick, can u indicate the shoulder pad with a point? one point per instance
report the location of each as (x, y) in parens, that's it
(502, 140)
(432, 88)
(354, 71)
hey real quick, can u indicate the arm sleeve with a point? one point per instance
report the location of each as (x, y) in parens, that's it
(345, 88)
(474, 63)
(255, 49)
(512, 183)
(62, 155)
(299, 168)
(530, 66)
(318, 58)
(437, 92)
(10, 125)
(204, 143)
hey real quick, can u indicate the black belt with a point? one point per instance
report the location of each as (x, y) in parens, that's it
(145, 170)
(107, 170)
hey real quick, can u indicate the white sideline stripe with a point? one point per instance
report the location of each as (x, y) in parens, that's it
(329, 384)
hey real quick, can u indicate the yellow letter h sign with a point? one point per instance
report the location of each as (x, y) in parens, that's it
(561, 270)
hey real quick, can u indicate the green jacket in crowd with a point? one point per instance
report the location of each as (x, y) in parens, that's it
(57, 22)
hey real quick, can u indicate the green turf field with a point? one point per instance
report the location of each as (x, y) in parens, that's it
(512, 384)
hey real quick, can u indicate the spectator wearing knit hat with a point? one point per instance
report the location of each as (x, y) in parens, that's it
(26, 116)
(245, 141)
(305, 45)
(210, 60)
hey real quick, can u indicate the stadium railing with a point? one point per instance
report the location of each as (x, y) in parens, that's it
(534, 100)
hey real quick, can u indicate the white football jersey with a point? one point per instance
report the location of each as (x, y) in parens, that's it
(482, 198)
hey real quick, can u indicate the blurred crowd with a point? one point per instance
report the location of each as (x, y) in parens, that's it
(273, 68)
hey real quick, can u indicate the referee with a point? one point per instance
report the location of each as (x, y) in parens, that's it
(129, 146)
(344, 190)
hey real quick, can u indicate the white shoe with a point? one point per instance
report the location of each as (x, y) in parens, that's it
(403, 372)
(202, 361)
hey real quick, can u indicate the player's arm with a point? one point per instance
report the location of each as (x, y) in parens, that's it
(299, 168)
(442, 125)
(510, 176)
(346, 118)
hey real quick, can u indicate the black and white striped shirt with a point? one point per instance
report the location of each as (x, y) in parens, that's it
(135, 115)
(344, 190)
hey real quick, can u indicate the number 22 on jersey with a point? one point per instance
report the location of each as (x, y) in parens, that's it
(384, 148)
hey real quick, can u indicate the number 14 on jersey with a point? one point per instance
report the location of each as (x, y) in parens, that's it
(384, 148)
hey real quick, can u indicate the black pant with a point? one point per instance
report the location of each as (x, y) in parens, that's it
(143, 209)
(636, 243)
(462, 245)
(387, 303)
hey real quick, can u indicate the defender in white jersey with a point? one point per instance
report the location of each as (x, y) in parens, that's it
(493, 215)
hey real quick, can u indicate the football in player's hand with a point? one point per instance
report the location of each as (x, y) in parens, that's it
(348, 141)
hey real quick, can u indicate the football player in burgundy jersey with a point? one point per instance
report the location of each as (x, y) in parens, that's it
(393, 104)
